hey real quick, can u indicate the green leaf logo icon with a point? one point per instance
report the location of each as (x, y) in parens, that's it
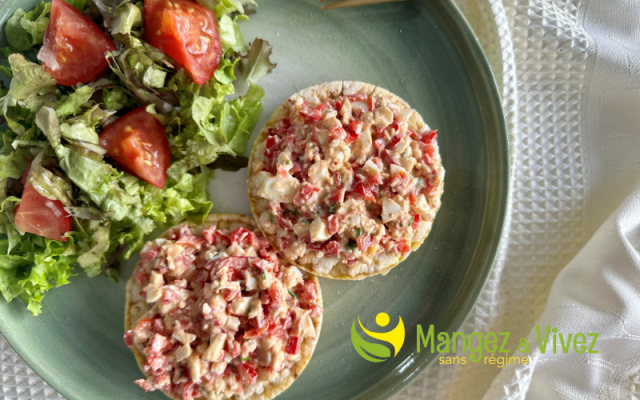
(375, 352)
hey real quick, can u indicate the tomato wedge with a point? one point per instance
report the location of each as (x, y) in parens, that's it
(73, 48)
(187, 32)
(138, 143)
(38, 215)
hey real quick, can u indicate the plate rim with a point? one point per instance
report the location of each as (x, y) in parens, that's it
(408, 375)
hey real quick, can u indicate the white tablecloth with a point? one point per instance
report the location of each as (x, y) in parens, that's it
(569, 71)
(570, 74)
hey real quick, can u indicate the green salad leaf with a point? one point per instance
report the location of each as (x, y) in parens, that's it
(35, 265)
(257, 63)
(28, 85)
(26, 29)
(116, 99)
(53, 131)
(230, 35)
(77, 4)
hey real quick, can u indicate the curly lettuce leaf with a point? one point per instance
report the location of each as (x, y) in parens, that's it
(127, 20)
(6, 71)
(33, 266)
(141, 74)
(224, 7)
(26, 29)
(231, 37)
(94, 245)
(256, 63)
(47, 183)
(77, 4)
(29, 86)
(12, 165)
(116, 99)
(94, 116)
(72, 103)
(240, 117)
(112, 210)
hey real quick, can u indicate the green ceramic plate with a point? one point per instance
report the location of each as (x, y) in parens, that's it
(424, 52)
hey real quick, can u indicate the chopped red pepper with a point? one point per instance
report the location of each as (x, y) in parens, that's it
(353, 131)
(337, 195)
(293, 345)
(372, 103)
(416, 221)
(128, 338)
(271, 146)
(332, 247)
(395, 140)
(257, 332)
(379, 144)
(248, 373)
(142, 277)
(311, 115)
(333, 224)
(386, 157)
(305, 193)
(364, 242)
(403, 246)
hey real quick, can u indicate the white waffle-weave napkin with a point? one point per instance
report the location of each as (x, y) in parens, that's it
(577, 97)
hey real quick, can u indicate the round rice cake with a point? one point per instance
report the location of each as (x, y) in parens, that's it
(212, 312)
(345, 180)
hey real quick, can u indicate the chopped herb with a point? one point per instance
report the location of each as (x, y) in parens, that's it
(246, 340)
(334, 208)
(412, 219)
(180, 374)
(264, 276)
(351, 245)
(296, 211)
(245, 358)
(292, 294)
(217, 255)
(404, 153)
(305, 221)
(313, 145)
(249, 310)
(358, 232)
(272, 217)
(287, 162)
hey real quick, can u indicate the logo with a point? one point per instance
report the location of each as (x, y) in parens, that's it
(375, 352)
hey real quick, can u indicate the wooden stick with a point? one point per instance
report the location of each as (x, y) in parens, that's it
(355, 3)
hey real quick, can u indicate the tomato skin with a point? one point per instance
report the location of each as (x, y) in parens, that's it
(187, 32)
(43, 217)
(73, 48)
(138, 143)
